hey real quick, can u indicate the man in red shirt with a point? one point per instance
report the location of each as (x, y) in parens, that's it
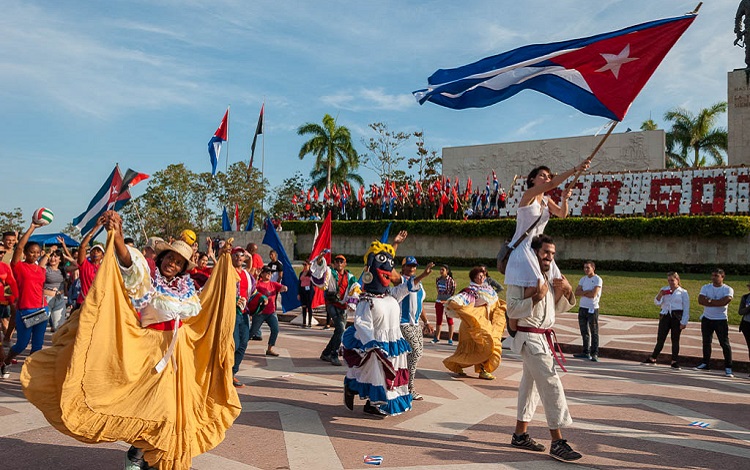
(245, 289)
(8, 296)
(88, 267)
(257, 260)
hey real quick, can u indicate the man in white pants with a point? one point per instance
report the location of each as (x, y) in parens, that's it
(531, 311)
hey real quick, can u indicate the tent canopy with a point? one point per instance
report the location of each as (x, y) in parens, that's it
(51, 239)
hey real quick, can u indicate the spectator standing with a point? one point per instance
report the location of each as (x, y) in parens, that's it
(245, 289)
(673, 318)
(54, 288)
(306, 293)
(589, 289)
(8, 296)
(9, 244)
(30, 278)
(532, 315)
(446, 287)
(338, 285)
(277, 269)
(257, 260)
(745, 316)
(271, 290)
(715, 298)
(411, 313)
(88, 266)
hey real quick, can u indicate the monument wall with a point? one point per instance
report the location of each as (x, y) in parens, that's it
(738, 117)
(627, 151)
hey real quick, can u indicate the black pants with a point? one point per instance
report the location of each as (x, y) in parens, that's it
(745, 329)
(669, 323)
(306, 298)
(721, 327)
(589, 326)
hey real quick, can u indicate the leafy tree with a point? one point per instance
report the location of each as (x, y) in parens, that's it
(282, 201)
(72, 231)
(243, 187)
(384, 157)
(331, 145)
(12, 220)
(694, 137)
(428, 163)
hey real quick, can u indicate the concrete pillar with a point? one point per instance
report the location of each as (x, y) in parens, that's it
(738, 117)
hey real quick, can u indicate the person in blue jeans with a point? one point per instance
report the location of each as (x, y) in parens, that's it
(30, 278)
(339, 285)
(589, 289)
(269, 289)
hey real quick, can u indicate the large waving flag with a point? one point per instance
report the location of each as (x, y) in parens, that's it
(289, 300)
(214, 145)
(114, 194)
(599, 75)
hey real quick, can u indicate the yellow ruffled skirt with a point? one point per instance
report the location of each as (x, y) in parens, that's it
(97, 381)
(479, 337)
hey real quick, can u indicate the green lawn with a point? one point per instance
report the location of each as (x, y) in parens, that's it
(624, 293)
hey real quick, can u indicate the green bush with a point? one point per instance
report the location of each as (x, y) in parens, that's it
(571, 227)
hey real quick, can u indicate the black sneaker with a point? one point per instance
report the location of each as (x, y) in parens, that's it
(675, 365)
(373, 410)
(563, 452)
(582, 356)
(335, 360)
(325, 357)
(525, 442)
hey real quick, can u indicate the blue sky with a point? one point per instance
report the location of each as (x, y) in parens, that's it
(145, 83)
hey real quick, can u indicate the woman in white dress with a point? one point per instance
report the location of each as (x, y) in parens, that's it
(523, 268)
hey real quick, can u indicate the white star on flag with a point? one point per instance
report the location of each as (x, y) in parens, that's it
(614, 62)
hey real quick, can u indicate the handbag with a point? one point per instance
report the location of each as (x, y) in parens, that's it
(506, 249)
(36, 317)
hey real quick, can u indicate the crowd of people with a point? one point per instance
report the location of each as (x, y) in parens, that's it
(187, 300)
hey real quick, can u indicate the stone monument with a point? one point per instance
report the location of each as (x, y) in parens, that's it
(738, 94)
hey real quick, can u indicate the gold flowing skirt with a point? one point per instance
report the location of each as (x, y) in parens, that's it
(97, 381)
(479, 337)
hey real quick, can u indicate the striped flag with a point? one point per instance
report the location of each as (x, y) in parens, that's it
(214, 145)
(110, 196)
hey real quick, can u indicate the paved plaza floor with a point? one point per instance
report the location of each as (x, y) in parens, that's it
(626, 415)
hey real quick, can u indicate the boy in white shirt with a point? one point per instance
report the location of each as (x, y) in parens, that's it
(715, 298)
(590, 291)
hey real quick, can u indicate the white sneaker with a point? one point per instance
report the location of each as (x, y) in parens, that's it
(728, 372)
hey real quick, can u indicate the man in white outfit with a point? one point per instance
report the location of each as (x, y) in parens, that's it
(531, 311)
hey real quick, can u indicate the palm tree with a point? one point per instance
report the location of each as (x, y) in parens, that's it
(698, 135)
(332, 147)
(649, 125)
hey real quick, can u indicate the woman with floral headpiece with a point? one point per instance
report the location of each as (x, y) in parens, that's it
(374, 349)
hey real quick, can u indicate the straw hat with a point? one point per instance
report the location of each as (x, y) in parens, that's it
(179, 247)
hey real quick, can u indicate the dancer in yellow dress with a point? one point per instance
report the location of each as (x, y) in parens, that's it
(480, 335)
(145, 360)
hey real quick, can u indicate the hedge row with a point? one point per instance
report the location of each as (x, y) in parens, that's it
(571, 227)
(576, 264)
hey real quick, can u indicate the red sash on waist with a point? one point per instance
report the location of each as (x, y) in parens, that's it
(548, 333)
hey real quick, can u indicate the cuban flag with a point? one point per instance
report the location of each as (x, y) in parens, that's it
(112, 195)
(599, 75)
(214, 145)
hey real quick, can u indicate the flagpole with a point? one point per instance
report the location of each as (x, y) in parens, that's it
(226, 167)
(591, 157)
(263, 153)
(140, 220)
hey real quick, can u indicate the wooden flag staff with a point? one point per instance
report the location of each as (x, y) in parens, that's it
(591, 157)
